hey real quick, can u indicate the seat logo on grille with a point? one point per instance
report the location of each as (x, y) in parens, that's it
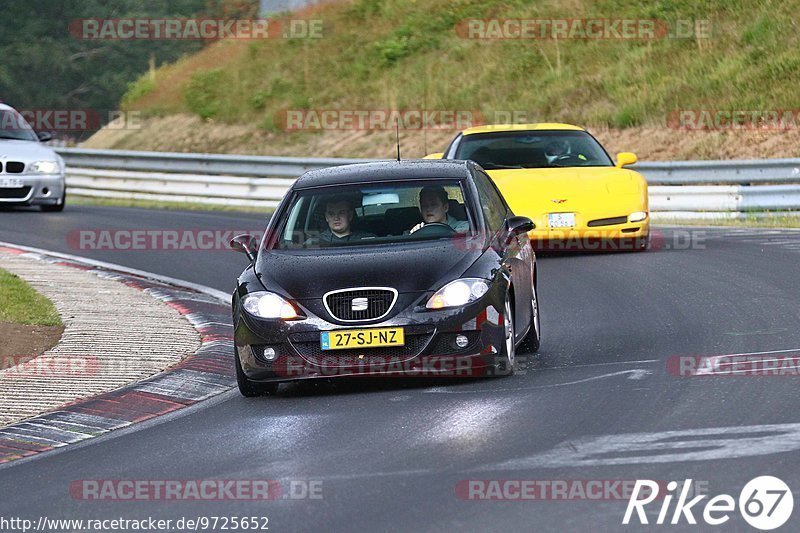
(359, 304)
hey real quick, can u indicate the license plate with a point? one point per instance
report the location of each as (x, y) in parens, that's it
(362, 338)
(562, 220)
(9, 183)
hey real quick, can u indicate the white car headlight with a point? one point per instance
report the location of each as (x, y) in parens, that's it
(457, 293)
(637, 216)
(269, 305)
(45, 167)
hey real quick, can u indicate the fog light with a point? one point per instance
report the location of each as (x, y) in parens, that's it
(46, 191)
(270, 354)
(461, 341)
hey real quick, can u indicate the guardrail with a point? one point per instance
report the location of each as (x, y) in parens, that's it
(681, 189)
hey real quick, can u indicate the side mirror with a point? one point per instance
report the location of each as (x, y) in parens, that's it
(44, 136)
(518, 225)
(625, 159)
(437, 155)
(246, 244)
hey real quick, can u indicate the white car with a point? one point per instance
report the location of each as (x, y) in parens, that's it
(30, 172)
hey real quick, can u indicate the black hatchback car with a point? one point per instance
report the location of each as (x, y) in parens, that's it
(401, 268)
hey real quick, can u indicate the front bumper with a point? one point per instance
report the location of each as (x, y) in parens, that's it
(40, 189)
(430, 349)
(621, 236)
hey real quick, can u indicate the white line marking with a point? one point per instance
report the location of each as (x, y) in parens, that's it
(753, 353)
(604, 364)
(704, 444)
(637, 373)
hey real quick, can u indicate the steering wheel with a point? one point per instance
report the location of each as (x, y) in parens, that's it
(435, 229)
(567, 160)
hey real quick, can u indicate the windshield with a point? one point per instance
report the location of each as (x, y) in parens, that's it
(533, 149)
(375, 214)
(13, 126)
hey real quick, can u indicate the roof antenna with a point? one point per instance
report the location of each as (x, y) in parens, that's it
(397, 135)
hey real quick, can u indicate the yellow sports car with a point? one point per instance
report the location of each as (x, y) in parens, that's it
(560, 177)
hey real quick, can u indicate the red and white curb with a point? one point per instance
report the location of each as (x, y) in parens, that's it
(206, 373)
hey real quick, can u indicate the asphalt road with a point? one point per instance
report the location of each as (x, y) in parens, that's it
(597, 403)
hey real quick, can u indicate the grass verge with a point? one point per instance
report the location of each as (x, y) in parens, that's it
(169, 206)
(23, 305)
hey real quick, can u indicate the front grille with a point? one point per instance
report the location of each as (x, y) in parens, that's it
(15, 167)
(17, 193)
(379, 303)
(607, 221)
(311, 351)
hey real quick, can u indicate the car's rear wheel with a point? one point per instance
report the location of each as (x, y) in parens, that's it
(506, 361)
(530, 344)
(249, 388)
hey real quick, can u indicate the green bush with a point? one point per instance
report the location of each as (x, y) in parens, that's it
(203, 93)
(139, 88)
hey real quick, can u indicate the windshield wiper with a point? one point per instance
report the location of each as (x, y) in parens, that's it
(496, 165)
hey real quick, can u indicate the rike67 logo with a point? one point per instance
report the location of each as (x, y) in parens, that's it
(765, 503)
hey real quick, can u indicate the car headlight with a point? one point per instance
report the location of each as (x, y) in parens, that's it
(457, 293)
(637, 216)
(45, 167)
(269, 305)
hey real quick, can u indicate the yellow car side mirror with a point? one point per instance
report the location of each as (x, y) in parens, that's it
(625, 159)
(437, 155)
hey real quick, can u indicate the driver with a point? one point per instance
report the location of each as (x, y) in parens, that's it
(433, 206)
(339, 213)
(560, 150)
(556, 149)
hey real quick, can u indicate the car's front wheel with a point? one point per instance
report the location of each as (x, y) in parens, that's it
(506, 360)
(249, 388)
(530, 344)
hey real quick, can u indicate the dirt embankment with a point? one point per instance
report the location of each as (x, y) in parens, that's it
(22, 341)
(187, 133)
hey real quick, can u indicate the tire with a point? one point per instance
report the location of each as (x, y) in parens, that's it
(505, 363)
(58, 207)
(531, 342)
(249, 388)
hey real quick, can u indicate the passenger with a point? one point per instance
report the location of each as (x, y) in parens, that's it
(433, 206)
(339, 213)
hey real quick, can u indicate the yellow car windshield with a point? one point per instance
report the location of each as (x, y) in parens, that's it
(533, 149)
